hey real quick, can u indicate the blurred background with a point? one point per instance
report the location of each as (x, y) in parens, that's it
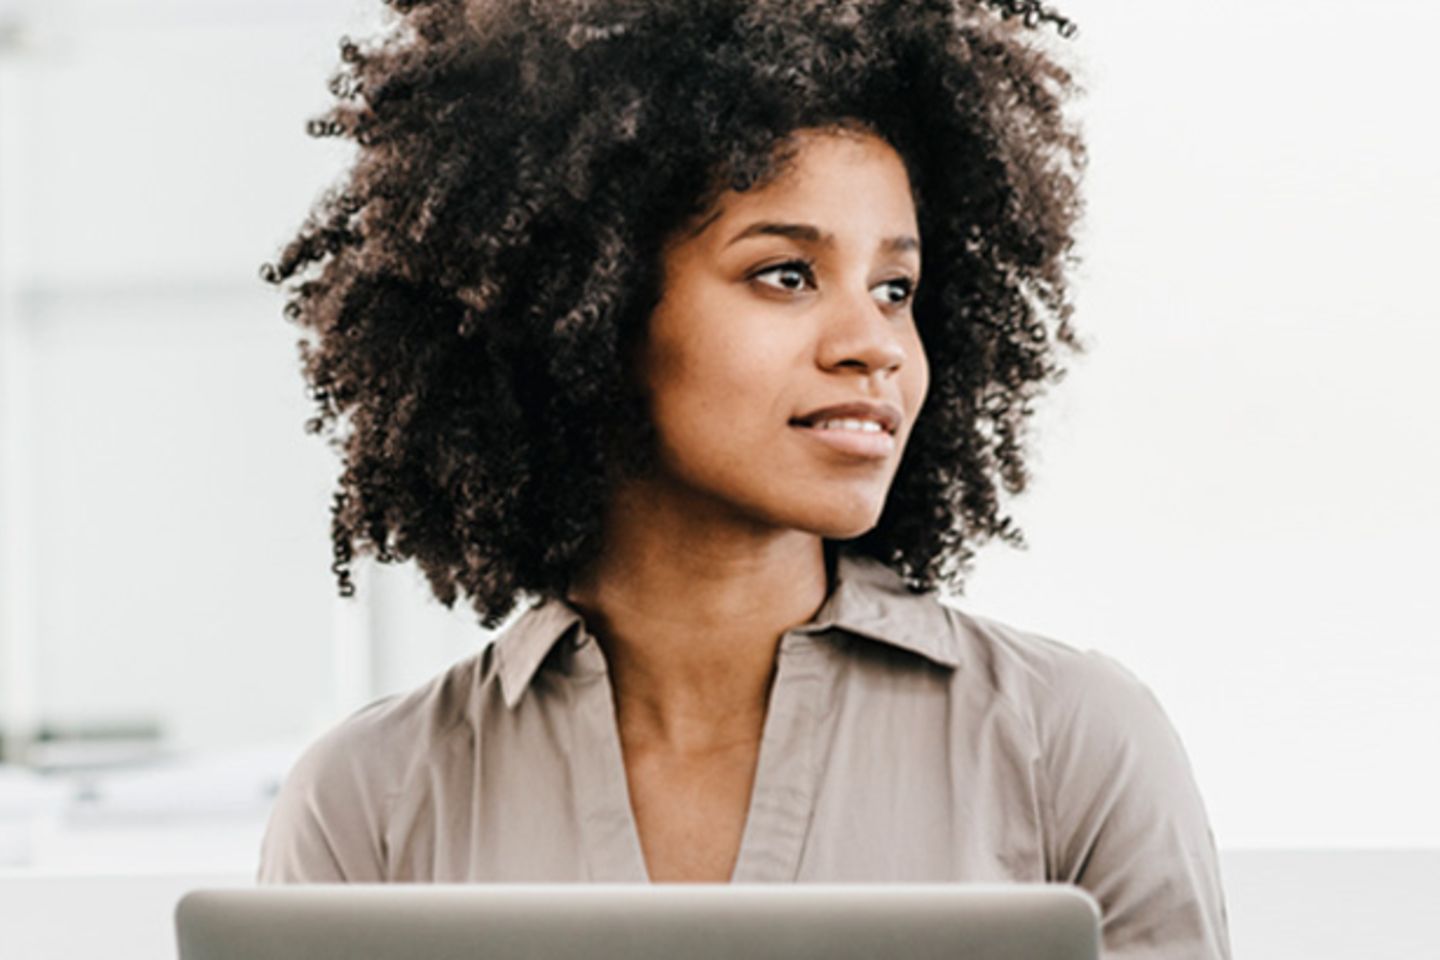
(1234, 490)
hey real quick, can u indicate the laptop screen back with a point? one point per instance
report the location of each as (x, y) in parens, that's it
(639, 922)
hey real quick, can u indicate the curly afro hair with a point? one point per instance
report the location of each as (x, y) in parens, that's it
(470, 288)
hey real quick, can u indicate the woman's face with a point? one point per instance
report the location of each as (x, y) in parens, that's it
(782, 364)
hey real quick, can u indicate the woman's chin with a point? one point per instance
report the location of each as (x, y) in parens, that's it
(841, 523)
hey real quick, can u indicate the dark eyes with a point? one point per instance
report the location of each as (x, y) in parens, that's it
(794, 275)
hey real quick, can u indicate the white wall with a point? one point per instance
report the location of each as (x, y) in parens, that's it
(165, 529)
(1235, 492)
(1234, 488)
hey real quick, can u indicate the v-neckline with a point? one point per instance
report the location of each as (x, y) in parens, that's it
(781, 796)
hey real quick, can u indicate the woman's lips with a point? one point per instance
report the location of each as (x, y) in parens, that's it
(887, 416)
(846, 437)
(857, 429)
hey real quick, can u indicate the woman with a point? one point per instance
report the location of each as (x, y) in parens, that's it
(621, 310)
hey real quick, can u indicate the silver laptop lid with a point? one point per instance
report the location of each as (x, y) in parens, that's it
(640, 922)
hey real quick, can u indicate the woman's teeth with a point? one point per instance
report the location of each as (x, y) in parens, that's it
(864, 426)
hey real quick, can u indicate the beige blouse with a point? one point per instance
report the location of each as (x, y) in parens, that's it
(904, 741)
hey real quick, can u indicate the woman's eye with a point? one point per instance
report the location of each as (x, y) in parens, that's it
(791, 277)
(895, 292)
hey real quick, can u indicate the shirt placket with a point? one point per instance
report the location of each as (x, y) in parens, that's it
(782, 800)
(608, 833)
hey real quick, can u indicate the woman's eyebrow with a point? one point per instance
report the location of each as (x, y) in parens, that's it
(807, 233)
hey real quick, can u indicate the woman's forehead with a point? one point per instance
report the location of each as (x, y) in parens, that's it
(831, 186)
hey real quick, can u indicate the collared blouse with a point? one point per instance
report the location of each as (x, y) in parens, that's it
(904, 741)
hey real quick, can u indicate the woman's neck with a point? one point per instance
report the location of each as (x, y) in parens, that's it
(689, 606)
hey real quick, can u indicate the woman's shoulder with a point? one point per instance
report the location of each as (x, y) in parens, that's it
(1123, 811)
(1084, 707)
(1098, 729)
(396, 730)
(401, 731)
(992, 658)
(1035, 668)
(333, 808)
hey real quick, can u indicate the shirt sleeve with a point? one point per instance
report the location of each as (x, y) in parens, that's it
(326, 825)
(1128, 822)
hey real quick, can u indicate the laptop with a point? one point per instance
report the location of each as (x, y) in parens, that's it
(640, 922)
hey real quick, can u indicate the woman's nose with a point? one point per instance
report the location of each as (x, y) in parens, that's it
(859, 333)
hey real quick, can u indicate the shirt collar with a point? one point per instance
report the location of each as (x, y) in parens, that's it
(869, 601)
